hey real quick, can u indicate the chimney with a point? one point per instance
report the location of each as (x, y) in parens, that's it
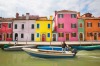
(27, 16)
(50, 18)
(17, 15)
(78, 14)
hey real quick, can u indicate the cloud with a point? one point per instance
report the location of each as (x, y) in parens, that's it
(8, 8)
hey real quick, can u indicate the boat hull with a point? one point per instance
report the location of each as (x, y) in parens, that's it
(49, 55)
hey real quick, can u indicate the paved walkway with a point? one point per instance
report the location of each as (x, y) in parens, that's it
(52, 43)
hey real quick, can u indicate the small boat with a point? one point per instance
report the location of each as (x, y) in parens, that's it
(93, 47)
(49, 53)
(17, 48)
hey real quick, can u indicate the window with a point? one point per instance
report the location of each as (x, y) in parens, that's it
(89, 24)
(89, 34)
(38, 26)
(37, 34)
(61, 34)
(22, 35)
(99, 24)
(10, 35)
(0, 25)
(48, 34)
(9, 25)
(60, 25)
(22, 26)
(32, 26)
(80, 25)
(98, 34)
(73, 15)
(48, 25)
(15, 26)
(73, 25)
(60, 16)
(73, 34)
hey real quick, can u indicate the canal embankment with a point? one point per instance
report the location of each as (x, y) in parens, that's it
(50, 43)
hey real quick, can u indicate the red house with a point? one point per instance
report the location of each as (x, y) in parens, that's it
(6, 31)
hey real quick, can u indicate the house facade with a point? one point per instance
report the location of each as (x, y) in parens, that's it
(92, 27)
(81, 29)
(24, 28)
(6, 30)
(44, 29)
(66, 25)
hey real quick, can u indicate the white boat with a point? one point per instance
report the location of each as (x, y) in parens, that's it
(17, 48)
(49, 53)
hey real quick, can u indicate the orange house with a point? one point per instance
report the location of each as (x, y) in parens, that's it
(92, 28)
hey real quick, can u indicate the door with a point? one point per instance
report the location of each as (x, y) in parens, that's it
(54, 37)
(81, 36)
(67, 37)
(16, 36)
(95, 36)
(32, 37)
(43, 37)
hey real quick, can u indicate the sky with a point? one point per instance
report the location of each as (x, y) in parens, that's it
(8, 8)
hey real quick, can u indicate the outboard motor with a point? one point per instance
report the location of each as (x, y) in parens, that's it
(74, 51)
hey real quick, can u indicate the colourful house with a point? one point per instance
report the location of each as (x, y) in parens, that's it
(92, 27)
(81, 29)
(24, 27)
(43, 29)
(66, 25)
(6, 30)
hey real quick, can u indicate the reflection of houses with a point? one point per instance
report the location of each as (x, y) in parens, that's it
(92, 27)
(66, 25)
(24, 27)
(6, 29)
(80, 28)
(44, 29)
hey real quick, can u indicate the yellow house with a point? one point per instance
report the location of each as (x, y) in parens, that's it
(44, 29)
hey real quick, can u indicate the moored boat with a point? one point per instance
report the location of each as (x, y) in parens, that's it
(93, 47)
(17, 48)
(49, 53)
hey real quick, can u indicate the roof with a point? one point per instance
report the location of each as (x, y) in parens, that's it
(67, 11)
(6, 19)
(89, 18)
(31, 17)
(42, 18)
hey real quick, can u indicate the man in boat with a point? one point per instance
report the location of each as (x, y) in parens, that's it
(64, 47)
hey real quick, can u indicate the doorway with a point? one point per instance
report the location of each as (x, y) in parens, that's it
(95, 36)
(54, 37)
(32, 37)
(81, 37)
(43, 37)
(67, 37)
(16, 36)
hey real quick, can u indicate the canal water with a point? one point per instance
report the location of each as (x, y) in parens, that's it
(20, 58)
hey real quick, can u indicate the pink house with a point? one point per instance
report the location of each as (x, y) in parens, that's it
(66, 25)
